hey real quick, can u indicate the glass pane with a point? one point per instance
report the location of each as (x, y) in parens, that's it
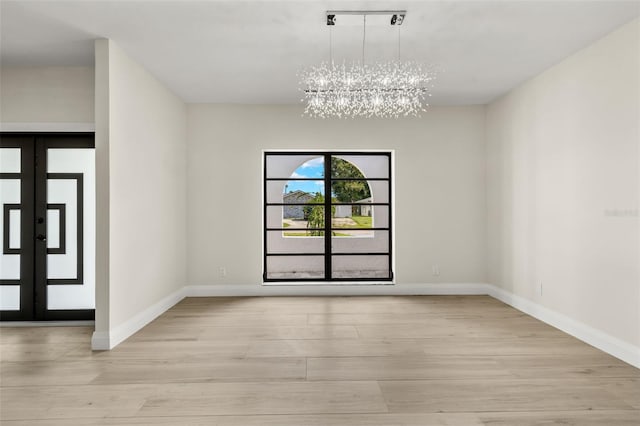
(362, 217)
(295, 267)
(70, 297)
(10, 191)
(360, 191)
(294, 242)
(370, 166)
(276, 217)
(53, 228)
(10, 200)
(291, 166)
(14, 228)
(360, 242)
(10, 160)
(63, 191)
(282, 191)
(360, 266)
(9, 297)
(10, 267)
(73, 191)
(350, 220)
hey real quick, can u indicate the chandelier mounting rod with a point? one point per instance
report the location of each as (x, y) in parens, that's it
(382, 17)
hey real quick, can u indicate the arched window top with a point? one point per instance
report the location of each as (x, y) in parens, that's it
(343, 191)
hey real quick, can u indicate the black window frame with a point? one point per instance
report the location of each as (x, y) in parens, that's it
(328, 204)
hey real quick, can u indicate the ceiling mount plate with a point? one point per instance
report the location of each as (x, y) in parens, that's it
(374, 17)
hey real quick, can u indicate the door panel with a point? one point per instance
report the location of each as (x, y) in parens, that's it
(16, 222)
(71, 233)
(10, 257)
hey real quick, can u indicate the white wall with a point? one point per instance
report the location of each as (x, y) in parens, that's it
(439, 185)
(141, 149)
(46, 95)
(563, 187)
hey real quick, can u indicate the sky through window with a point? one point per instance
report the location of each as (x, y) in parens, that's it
(313, 168)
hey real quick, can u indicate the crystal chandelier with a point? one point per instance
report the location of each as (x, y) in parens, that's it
(384, 89)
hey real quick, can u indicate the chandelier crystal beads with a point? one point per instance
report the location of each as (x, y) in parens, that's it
(388, 90)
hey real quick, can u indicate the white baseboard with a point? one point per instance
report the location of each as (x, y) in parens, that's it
(603, 341)
(238, 290)
(103, 340)
(100, 341)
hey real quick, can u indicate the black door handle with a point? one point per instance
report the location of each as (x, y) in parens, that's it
(41, 237)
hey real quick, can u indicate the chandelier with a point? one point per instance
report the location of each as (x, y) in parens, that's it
(382, 89)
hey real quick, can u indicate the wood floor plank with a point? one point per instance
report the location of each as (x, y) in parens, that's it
(333, 348)
(204, 370)
(422, 328)
(381, 419)
(163, 332)
(42, 373)
(233, 319)
(565, 346)
(405, 368)
(280, 332)
(166, 350)
(65, 402)
(403, 315)
(499, 395)
(588, 364)
(38, 351)
(570, 418)
(47, 335)
(627, 389)
(575, 418)
(265, 398)
(160, 332)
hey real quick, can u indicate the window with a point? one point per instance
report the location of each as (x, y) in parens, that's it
(327, 216)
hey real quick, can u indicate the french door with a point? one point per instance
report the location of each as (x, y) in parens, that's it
(47, 192)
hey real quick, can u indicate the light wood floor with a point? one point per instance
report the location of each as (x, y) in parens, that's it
(442, 360)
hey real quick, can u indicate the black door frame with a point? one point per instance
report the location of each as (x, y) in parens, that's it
(33, 248)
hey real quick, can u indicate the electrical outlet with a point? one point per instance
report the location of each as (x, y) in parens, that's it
(222, 271)
(435, 270)
(540, 287)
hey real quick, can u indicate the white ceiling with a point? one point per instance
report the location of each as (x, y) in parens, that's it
(251, 51)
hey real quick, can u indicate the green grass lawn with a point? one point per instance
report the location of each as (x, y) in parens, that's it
(361, 222)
